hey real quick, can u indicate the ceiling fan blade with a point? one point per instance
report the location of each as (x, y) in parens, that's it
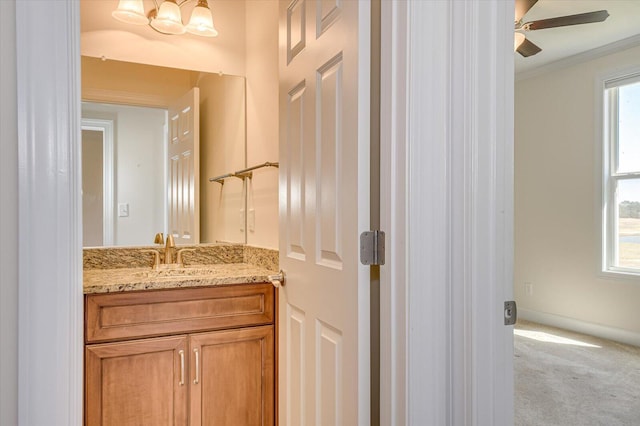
(563, 21)
(522, 7)
(528, 49)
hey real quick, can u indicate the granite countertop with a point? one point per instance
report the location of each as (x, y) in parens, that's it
(131, 279)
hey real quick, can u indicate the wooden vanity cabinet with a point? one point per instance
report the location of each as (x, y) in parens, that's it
(233, 383)
(136, 383)
(216, 375)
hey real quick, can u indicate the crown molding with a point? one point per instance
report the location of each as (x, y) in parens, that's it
(607, 49)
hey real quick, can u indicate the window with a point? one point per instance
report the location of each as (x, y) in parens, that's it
(621, 209)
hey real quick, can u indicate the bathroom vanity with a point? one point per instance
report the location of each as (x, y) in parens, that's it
(187, 346)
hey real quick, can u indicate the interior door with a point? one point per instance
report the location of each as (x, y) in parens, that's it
(324, 205)
(183, 204)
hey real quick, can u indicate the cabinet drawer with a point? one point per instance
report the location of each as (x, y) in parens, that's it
(128, 315)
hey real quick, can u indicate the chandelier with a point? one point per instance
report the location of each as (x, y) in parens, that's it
(166, 17)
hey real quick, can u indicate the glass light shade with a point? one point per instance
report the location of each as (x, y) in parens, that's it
(518, 39)
(131, 12)
(201, 22)
(169, 19)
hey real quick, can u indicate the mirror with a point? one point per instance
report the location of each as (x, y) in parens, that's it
(126, 128)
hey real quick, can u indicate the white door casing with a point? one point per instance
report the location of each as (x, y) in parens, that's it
(446, 204)
(50, 298)
(183, 169)
(324, 205)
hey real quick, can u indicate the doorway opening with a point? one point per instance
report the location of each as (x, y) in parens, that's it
(558, 276)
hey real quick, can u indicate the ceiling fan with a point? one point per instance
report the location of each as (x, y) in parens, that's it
(525, 47)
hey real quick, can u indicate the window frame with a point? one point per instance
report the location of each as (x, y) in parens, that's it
(610, 175)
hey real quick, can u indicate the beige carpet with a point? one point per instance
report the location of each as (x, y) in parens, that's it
(564, 379)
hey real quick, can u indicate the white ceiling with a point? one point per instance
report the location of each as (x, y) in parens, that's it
(559, 43)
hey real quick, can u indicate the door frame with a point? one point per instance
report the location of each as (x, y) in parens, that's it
(478, 150)
(446, 206)
(50, 297)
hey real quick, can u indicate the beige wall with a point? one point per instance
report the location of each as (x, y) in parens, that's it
(222, 151)
(132, 83)
(557, 246)
(8, 217)
(262, 121)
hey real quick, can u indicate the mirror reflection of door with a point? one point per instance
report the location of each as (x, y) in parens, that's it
(183, 200)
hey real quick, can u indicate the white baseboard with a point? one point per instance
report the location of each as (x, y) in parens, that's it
(597, 330)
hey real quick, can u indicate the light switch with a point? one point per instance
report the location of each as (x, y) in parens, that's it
(251, 219)
(123, 209)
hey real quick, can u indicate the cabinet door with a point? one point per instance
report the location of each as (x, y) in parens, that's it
(232, 377)
(140, 382)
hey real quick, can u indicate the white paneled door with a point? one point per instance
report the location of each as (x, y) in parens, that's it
(183, 168)
(324, 205)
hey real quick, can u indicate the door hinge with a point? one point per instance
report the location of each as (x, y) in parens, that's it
(510, 312)
(372, 248)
